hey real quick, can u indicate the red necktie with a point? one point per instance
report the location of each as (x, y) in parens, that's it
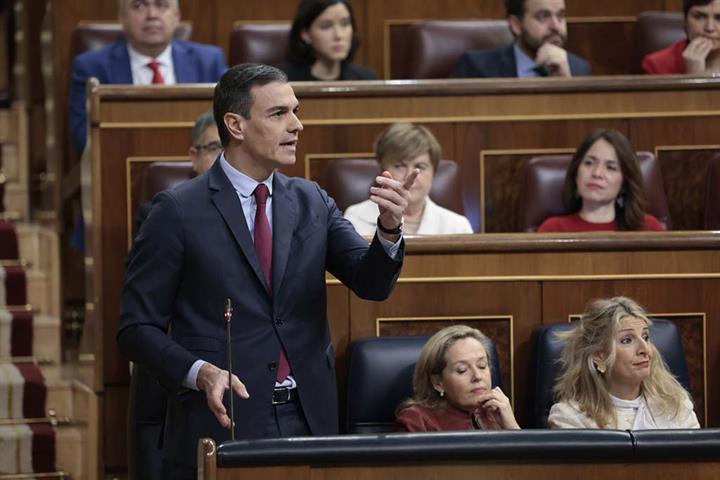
(263, 248)
(158, 78)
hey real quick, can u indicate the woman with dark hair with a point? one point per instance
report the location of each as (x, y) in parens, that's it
(323, 42)
(700, 51)
(603, 188)
(453, 388)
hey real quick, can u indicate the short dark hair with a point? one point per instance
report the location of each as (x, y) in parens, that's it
(688, 4)
(201, 124)
(630, 213)
(515, 7)
(299, 52)
(233, 92)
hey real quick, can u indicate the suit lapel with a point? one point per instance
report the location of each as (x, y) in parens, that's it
(226, 200)
(284, 220)
(183, 65)
(508, 61)
(119, 67)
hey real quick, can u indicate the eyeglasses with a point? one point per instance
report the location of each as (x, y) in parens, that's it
(142, 5)
(212, 147)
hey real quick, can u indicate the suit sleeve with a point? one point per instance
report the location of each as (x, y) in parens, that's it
(464, 68)
(148, 297)
(564, 415)
(410, 420)
(78, 114)
(369, 272)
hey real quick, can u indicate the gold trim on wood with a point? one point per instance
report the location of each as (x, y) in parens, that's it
(239, 23)
(34, 360)
(550, 278)
(676, 148)
(518, 151)
(145, 125)
(448, 119)
(331, 156)
(54, 421)
(32, 476)
(509, 318)
(20, 308)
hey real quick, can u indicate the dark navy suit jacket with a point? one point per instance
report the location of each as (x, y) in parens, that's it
(193, 251)
(193, 63)
(500, 62)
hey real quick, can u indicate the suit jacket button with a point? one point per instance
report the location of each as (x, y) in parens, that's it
(272, 366)
(278, 321)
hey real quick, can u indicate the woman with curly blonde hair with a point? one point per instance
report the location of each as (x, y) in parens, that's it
(614, 377)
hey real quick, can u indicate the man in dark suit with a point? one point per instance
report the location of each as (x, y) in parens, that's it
(150, 55)
(210, 239)
(540, 31)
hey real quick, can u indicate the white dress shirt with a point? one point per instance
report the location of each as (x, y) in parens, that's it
(143, 75)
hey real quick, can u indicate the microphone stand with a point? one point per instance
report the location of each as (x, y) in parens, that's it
(228, 318)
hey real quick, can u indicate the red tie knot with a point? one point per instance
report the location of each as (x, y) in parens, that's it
(158, 78)
(261, 193)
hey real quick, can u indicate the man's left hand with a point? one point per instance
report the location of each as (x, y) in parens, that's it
(555, 59)
(392, 197)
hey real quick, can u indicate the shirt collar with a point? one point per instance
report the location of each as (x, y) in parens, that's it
(243, 184)
(524, 64)
(138, 60)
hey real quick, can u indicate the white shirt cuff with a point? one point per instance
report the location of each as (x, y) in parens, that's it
(191, 377)
(391, 248)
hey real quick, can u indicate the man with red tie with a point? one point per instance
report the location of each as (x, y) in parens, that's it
(246, 232)
(148, 56)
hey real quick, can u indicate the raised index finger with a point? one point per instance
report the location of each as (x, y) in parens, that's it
(411, 179)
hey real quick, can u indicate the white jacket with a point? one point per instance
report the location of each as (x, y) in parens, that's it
(435, 220)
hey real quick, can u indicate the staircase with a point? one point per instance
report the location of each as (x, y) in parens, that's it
(44, 411)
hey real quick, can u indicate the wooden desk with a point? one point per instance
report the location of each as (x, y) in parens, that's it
(509, 284)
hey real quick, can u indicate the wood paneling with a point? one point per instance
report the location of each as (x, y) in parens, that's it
(692, 166)
(492, 275)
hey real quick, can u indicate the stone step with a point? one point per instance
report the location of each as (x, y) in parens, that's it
(46, 338)
(39, 294)
(60, 392)
(37, 245)
(39, 249)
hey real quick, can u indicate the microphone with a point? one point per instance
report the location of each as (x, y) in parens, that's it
(228, 318)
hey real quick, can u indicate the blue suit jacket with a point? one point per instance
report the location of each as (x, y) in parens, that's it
(193, 251)
(500, 63)
(193, 63)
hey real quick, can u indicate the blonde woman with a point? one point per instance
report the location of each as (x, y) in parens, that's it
(614, 377)
(453, 387)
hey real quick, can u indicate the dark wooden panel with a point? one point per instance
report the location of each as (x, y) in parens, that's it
(504, 148)
(685, 175)
(607, 45)
(114, 434)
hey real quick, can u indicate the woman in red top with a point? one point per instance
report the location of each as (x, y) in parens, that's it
(453, 386)
(603, 188)
(700, 52)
